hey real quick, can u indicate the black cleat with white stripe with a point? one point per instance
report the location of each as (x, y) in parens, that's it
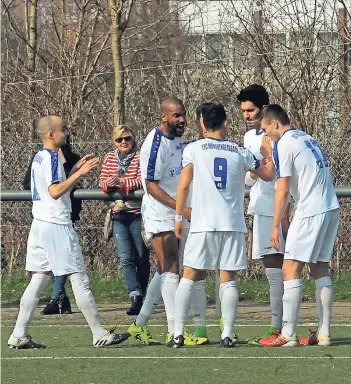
(24, 342)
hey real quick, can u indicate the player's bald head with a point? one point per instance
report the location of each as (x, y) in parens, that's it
(170, 103)
(47, 124)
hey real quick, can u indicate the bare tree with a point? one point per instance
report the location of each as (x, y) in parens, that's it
(120, 11)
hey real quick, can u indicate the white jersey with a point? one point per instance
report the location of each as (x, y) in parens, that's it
(218, 189)
(160, 159)
(298, 155)
(262, 192)
(47, 169)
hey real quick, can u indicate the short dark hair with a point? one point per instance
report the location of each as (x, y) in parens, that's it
(199, 109)
(275, 112)
(213, 116)
(254, 93)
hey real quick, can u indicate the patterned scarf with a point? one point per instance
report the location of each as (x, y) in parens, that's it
(124, 160)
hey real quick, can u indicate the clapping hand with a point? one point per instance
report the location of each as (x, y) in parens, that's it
(266, 148)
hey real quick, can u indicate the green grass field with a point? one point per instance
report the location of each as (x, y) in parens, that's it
(111, 287)
(70, 358)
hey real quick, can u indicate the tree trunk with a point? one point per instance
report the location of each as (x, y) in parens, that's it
(31, 27)
(343, 69)
(116, 42)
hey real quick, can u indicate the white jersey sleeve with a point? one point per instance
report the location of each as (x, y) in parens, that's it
(51, 170)
(187, 156)
(156, 159)
(250, 161)
(47, 169)
(284, 162)
(261, 192)
(160, 160)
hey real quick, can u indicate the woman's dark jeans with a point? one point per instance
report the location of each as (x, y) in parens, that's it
(132, 252)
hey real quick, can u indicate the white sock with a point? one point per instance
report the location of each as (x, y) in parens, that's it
(182, 303)
(291, 305)
(229, 304)
(152, 299)
(324, 297)
(29, 302)
(198, 303)
(169, 285)
(276, 290)
(86, 303)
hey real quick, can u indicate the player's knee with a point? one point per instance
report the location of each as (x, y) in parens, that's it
(81, 279)
(292, 269)
(319, 270)
(191, 274)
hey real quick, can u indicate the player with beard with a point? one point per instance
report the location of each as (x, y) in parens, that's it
(161, 164)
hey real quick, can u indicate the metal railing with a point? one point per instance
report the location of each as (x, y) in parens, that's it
(101, 255)
(97, 194)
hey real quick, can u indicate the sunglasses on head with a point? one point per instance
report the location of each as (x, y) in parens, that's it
(125, 138)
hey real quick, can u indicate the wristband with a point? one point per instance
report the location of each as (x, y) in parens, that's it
(178, 218)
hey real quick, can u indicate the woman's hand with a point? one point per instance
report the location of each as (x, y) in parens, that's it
(113, 182)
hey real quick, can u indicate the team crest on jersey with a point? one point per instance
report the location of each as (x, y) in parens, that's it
(175, 171)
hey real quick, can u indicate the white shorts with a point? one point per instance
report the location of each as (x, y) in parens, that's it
(53, 247)
(261, 235)
(215, 250)
(153, 227)
(311, 239)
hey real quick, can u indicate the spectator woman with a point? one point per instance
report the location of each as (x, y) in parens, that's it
(121, 171)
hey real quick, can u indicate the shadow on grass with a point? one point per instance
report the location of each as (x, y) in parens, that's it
(341, 341)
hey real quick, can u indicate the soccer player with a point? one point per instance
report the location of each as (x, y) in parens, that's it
(198, 298)
(261, 206)
(303, 169)
(53, 243)
(160, 159)
(216, 168)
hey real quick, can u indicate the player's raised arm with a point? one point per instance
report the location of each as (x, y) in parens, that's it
(58, 189)
(266, 170)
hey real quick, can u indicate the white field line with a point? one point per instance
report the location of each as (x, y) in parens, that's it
(162, 325)
(177, 358)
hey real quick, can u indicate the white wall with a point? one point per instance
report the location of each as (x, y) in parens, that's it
(217, 16)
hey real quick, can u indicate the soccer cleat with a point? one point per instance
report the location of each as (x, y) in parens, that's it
(175, 342)
(64, 305)
(142, 334)
(324, 341)
(278, 340)
(235, 338)
(192, 340)
(270, 331)
(169, 342)
(227, 342)
(51, 308)
(313, 339)
(111, 338)
(24, 342)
